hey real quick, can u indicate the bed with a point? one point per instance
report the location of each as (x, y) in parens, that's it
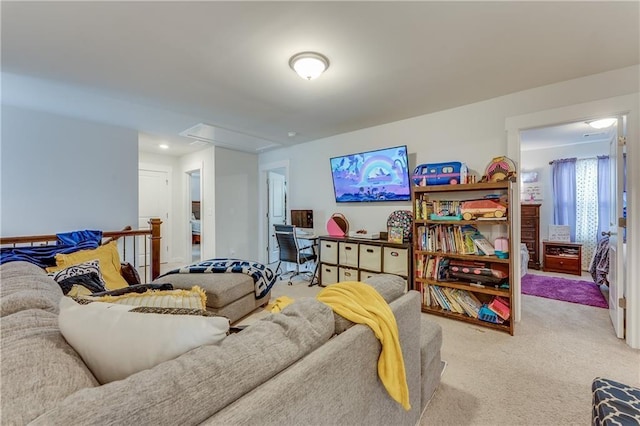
(524, 260)
(140, 247)
(195, 222)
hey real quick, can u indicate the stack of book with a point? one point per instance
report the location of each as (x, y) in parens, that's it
(452, 299)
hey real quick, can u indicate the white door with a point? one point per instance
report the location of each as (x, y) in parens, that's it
(616, 276)
(277, 212)
(153, 196)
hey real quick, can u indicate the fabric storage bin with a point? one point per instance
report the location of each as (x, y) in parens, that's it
(395, 261)
(329, 274)
(370, 257)
(365, 275)
(329, 251)
(347, 274)
(348, 254)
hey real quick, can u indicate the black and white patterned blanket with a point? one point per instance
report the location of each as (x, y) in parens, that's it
(263, 277)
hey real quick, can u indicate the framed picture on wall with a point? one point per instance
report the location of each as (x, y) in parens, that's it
(529, 177)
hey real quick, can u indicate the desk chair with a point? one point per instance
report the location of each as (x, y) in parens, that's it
(290, 250)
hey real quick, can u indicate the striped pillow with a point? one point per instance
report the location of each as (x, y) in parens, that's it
(195, 298)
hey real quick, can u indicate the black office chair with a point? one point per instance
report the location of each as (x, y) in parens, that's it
(290, 251)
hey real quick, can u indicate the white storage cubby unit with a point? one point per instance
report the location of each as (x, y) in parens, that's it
(353, 259)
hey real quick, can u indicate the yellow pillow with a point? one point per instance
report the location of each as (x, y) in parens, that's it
(109, 263)
(195, 298)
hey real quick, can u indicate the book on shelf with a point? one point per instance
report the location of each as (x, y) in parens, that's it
(453, 300)
(484, 245)
(501, 307)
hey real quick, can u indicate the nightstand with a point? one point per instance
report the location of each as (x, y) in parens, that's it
(562, 257)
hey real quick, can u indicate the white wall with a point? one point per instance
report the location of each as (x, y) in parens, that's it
(62, 174)
(236, 204)
(170, 228)
(538, 159)
(205, 161)
(195, 187)
(180, 211)
(472, 133)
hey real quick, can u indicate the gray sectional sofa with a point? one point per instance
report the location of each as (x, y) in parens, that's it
(305, 365)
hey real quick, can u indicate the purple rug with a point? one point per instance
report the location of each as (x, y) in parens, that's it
(574, 291)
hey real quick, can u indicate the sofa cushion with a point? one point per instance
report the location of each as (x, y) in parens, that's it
(27, 286)
(194, 386)
(115, 342)
(221, 288)
(390, 288)
(109, 263)
(39, 368)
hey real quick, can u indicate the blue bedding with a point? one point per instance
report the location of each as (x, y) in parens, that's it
(45, 256)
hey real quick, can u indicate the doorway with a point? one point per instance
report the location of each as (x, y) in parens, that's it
(195, 214)
(154, 199)
(277, 209)
(584, 150)
(266, 235)
(612, 107)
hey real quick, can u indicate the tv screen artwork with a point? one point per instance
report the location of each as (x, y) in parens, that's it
(381, 175)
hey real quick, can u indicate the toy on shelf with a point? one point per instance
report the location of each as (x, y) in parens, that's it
(499, 169)
(450, 173)
(486, 208)
(338, 226)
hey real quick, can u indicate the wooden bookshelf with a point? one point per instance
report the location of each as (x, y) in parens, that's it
(451, 248)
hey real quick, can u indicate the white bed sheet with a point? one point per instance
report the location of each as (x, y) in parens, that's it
(195, 226)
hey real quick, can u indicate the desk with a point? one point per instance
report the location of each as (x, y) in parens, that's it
(314, 243)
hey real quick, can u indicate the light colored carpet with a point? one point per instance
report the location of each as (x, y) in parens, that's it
(540, 376)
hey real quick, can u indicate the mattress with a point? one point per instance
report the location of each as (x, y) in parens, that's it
(524, 259)
(195, 226)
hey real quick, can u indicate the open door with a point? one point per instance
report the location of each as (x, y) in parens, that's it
(616, 276)
(277, 211)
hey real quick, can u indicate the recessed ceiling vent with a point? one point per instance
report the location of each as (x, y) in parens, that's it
(594, 135)
(202, 132)
(207, 134)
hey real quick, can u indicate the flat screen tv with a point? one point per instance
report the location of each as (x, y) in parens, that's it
(381, 175)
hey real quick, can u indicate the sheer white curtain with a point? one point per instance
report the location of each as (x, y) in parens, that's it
(587, 207)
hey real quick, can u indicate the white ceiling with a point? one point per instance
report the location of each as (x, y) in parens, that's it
(163, 67)
(564, 134)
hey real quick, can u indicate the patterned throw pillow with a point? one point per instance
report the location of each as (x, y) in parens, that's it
(84, 274)
(109, 263)
(117, 336)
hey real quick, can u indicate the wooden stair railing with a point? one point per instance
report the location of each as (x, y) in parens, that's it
(153, 233)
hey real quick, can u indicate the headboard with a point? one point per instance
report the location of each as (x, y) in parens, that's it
(195, 209)
(133, 244)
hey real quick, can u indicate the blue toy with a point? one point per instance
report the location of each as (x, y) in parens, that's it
(450, 173)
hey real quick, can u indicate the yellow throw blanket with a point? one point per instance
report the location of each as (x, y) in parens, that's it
(279, 304)
(362, 304)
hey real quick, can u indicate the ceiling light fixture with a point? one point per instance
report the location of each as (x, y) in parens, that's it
(602, 123)
(163, 146)
(309, 65)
